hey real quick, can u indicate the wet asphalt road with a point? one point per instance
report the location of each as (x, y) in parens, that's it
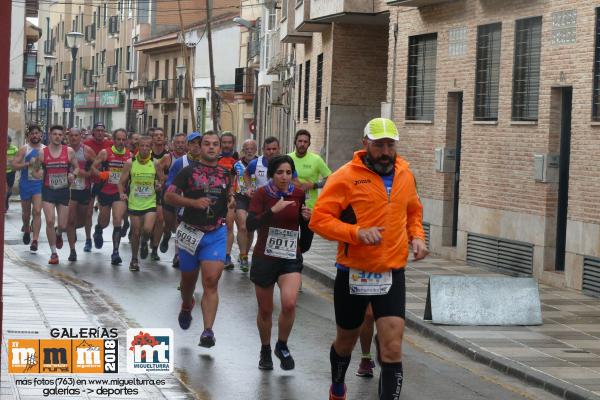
(229, 370)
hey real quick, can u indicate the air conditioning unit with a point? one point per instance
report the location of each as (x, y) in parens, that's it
(277, 93)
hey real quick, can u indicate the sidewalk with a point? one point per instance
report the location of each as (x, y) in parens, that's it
(562, 355)
(35, 301)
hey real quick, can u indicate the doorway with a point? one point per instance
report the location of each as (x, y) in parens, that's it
(451, 168)
(566, 98)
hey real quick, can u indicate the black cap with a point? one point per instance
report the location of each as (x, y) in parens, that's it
(99, 124)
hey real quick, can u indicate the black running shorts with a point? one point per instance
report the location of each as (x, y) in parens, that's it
(265, 272)
(242, 202)
(350, 308)
(106, 200)
(56, 196)
(82, 197)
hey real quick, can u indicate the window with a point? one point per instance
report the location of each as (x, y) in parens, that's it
(271, 20)
(128, 59)
(420, 91)
(306, 89)
(487, 72)
(526, 71)
(319, 87)
(299, 89)
(284, 7)
(596, 93)
(167, 69)
(94, 64)
(103, 61)
(104, 16)
(156, 69)
(97, 21)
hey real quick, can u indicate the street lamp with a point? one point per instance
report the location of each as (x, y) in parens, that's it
(95, 80)
(38, 71)
(180, 76)
(49, 61)
(73, 42)
(130, 76)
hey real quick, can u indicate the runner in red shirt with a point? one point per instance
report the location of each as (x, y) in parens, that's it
(81, 194)
(108, 166)
(227, 160)
(97, 142)
(60, 167)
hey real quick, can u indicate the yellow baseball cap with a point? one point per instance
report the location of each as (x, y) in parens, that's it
(381, 128)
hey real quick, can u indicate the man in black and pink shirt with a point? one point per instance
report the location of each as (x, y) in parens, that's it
(204, 190)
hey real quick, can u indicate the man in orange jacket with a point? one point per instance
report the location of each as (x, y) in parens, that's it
(370, 206)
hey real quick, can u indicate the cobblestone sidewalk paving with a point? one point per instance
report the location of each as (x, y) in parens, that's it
(34, 302)
(562, 355)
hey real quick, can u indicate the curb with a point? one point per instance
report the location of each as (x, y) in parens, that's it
(509, 367)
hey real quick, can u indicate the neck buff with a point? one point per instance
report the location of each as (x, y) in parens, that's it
(274, 192)
(114, 150)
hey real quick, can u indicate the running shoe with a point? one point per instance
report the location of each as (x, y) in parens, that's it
(124, 228)
(164, 244)
(207, 339)
(26, 238)
(154, 255)
(244, 265)
(265, 362)
(144, 250)
(228, 264)
(73, 255)
(115, 258)
(176, 261)
(134, 265)
(365, 368)
(283, 353)
(88, 245)
(53, 259)
(185, 316)
(34, 246)
(98, 239)
(335, 397)
(59, 240)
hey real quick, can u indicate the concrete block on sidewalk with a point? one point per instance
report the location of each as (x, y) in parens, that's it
(478, 300)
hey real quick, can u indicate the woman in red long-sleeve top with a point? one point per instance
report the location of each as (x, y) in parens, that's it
(278, 213)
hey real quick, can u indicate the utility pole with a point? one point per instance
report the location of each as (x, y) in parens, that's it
(213, 96)
(188, 76)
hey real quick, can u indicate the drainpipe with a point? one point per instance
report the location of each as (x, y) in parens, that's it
(394, 67)
(5, 21)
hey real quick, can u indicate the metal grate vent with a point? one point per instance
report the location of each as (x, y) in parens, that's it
(427, 230)
(508, 256)
(591, 276)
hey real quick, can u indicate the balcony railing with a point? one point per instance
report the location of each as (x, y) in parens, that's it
(416, 3)
(165, 89)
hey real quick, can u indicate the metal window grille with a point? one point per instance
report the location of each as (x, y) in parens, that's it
(306, 89)
(596, 95)
(526, 73)
(299, 89)
(487, 74)
(319, 87)
(420, 91)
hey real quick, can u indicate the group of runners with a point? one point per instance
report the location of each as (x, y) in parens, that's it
(197, 188)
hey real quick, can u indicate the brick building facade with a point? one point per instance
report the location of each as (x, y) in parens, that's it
(503, 92)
